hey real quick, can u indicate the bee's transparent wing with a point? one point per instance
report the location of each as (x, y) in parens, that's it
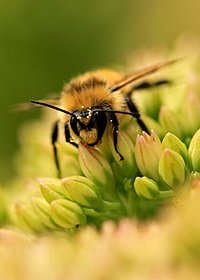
(141, 74)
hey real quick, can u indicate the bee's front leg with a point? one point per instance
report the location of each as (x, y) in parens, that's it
(115, 124)
(68, 136)
(54, 138)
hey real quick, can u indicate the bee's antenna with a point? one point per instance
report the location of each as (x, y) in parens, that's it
(115, 111)
(52, 107)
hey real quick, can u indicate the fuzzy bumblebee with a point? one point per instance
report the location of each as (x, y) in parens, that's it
(91, 102)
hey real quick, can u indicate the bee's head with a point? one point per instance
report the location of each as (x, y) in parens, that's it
(89, 124)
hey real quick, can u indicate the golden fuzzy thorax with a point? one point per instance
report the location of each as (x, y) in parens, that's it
(92, 89)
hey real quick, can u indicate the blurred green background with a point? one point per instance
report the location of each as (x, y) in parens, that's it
(44, 43)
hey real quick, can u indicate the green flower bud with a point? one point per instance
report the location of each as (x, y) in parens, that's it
(96, 168)
(171, 122)
(27, 218)
(42, 208)
(171, 168)
(191, 113)
(68, 158)
(194, 151)
(148, 149)
(82, 191)
(67, 214)
(126, 147)
(51, 189)
(146, 188)
(174, 143)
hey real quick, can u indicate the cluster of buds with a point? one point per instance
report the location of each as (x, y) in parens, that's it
(154, 171)
(97, 186)
(67, 204)
(167, 165)
(164, 165)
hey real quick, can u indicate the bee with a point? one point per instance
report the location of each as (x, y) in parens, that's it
(93, 101)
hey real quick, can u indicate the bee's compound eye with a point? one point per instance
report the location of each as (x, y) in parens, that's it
(74, 125)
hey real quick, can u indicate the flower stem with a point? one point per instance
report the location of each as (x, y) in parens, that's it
(166, 194)
(93, 213)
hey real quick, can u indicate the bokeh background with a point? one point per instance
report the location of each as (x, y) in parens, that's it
(45, 43)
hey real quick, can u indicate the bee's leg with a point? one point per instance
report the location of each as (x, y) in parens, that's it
(54, 137)
(115, 123)
(67, 136)
(146, 85)
(133, 108)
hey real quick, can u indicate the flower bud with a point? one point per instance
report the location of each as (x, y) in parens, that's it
(175, 144)
(194, 151)
(191, 113)
(124, 145)
(171, 122)
(171, 168)
(147, 154)
(96, 168)
(27, 218)
(42, 208)
(146, 188)
(82, 191)
(68, 156)
(126, 148)
(67, 214)
(51, 189)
